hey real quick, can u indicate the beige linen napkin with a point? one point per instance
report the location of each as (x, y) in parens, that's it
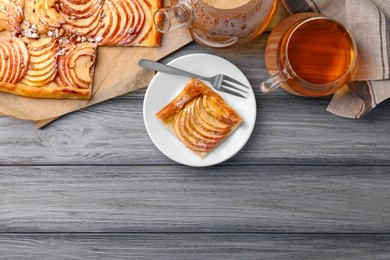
(369, 22)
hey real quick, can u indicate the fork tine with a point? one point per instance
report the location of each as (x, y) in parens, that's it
(233, 87)
(222, 89)
(225, 77)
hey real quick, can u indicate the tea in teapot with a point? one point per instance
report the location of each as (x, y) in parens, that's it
(217, 23)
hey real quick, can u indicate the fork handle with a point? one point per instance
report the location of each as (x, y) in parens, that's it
(156, 66)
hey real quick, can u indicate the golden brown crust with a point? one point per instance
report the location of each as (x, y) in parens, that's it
(199, 117)
(50, 91)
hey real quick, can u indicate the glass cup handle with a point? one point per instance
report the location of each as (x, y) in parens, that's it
(275, 81)
(173, 17)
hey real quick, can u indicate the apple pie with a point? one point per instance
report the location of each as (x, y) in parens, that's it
(48, 48)
(199, 117)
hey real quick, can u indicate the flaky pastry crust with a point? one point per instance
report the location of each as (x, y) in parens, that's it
(50, 91)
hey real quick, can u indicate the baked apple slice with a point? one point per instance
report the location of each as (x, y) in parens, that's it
(78, 9)
(38, 68)
(211, 106)
(8, 60)
(75, 67)
(43, 14)
(4, 58)
(123, 22)
(48, 14)
(83, 65)
(31, 18)
(188, 116)
(111, 20)
(40, 81)
(201, 127)
(207, 137)
(37, 45)
(186, 137)
(82, 62)
(147, 26)
(128, 17)
(14, 59)
(43, 62)
(41, 47)
(17, 58)
(81, 17)
(11, 15)
(62, 78)
(204, 116)
(84, 26)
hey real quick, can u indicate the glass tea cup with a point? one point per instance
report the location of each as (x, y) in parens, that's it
(317, 57)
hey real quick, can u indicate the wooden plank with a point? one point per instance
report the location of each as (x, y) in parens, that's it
(289, 130)
(194, 246)
(182, 199)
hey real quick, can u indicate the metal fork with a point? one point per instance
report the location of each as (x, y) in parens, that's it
(219, 81)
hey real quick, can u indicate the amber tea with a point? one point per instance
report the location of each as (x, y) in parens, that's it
(318, 56)
(320, 51)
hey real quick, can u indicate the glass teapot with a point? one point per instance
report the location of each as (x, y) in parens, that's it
(217, 23)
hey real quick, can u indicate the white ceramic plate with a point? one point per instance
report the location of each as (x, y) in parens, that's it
(165, 87)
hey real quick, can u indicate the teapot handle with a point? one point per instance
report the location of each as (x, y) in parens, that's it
(173, 17)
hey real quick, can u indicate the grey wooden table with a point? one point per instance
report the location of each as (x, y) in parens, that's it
(308, 185)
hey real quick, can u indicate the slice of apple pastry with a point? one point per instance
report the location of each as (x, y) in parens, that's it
(200, 118)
